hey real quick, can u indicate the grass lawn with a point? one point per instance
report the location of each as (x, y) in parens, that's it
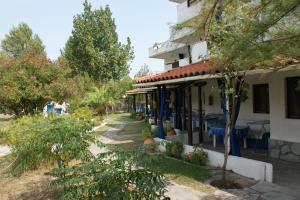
(183, 173)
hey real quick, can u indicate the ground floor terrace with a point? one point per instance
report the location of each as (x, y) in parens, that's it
(267, 130)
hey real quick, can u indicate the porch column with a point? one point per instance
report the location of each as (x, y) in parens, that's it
(184, 109)
(157, 104)
(147, 110)
(200, 108)
(134, 103)
(152, 103)
(190, 131)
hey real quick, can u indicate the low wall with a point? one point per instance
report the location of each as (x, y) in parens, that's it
(243, 166)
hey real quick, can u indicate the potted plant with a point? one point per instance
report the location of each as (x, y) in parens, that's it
(169, 130)
(147, 135)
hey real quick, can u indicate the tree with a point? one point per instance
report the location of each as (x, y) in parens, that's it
(94, 48)
(143, 71)
(28, 82)
(244, 35)
(20, 40)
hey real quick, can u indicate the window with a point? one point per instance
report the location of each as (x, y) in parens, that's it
(261, 103)
(293, 97)
(175, 64)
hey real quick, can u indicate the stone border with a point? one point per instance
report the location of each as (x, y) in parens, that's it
(287, 151)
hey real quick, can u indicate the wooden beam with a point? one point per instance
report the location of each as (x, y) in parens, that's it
(190, 131)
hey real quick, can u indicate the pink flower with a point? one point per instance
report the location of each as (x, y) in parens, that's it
(33, 78)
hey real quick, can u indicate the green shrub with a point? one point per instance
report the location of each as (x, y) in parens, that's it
(198, 156)
(174, 149)
(83, 114)
(156, 132)
(133, 115)
(146, 132)
(167, 127)
(112, 175)
(39, 140)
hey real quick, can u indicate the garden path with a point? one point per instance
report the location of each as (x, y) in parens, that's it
(255, 191)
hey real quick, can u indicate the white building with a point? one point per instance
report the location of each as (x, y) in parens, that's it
(272, 107)
(183, 47)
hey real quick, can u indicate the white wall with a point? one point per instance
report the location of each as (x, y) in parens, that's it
(282, 128)
(185, 13)
(199, 51)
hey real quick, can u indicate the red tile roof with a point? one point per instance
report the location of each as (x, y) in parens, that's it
(200, 68)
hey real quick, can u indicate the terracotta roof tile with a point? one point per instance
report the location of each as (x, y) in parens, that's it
(200, 68)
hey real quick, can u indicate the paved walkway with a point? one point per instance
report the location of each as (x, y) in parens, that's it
(256, 191)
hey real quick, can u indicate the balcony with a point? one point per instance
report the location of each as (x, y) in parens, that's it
(177, 63)
(185, 12)
(182, 35)
(167, 50)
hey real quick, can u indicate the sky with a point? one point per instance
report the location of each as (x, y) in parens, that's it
(144, 21)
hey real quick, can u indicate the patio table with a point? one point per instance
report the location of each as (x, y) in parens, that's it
(239, 133)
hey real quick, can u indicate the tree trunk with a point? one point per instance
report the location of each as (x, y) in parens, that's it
(231, 103)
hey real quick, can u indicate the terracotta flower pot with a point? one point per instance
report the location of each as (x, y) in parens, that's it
(171, 133)
(149, 140)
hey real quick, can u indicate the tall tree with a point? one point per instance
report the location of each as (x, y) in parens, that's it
(21, 39)
(143, 71)
(94, 47)
(244, 35)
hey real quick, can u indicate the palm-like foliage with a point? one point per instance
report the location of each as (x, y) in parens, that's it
(108, 95)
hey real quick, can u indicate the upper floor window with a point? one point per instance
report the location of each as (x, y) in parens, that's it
(261, 102)
(293, 97)
(175, 64)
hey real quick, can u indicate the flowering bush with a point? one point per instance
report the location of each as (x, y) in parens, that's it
(198, 156)
(28, 82)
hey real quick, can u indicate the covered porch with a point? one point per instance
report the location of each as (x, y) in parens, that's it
(188, 100)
